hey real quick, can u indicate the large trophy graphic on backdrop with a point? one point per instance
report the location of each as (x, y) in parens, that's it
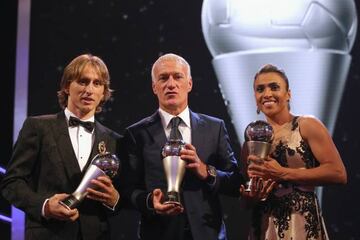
(258, 137)
(309, 39)
(174, 168)
(102, 164)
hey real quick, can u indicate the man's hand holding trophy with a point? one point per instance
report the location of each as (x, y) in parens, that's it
(174, 168)
(96, 183)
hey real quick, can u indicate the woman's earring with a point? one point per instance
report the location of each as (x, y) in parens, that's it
(288, 104)
(257, 110)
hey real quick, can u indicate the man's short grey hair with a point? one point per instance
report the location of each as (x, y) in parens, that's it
(170, 57)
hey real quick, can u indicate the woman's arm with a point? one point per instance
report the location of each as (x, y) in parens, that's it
(330, 171)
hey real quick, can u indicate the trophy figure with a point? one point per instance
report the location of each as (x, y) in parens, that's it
(102, 164)
(174, 168)
(258, 137)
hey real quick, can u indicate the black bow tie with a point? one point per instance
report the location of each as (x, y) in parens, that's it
(74, 122)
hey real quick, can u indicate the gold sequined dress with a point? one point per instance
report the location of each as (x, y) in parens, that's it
(291, 211)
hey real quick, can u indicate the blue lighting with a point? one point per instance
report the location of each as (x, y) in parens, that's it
(21, 94)
(5, 218)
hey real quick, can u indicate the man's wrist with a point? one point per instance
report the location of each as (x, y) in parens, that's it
(113, 207)
(45, 209)
(149, 201)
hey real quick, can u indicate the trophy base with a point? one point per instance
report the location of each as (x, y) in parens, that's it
(173, 198)
(249, 185)
(70, 202)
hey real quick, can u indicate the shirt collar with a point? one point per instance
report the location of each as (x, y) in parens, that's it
(68, 113)
(166, 117)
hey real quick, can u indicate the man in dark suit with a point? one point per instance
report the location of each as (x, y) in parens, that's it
(52, 154)
(211, 167)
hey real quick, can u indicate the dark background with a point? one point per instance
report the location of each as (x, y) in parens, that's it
(129, 36)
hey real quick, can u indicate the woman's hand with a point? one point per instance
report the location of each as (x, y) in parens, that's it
(259, 190)
(269, 168)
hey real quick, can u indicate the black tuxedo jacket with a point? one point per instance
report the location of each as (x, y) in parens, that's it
(143, 171)
(43, 164)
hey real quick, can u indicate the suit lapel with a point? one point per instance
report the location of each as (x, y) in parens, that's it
(154, 141)
(197, 134)
(99, 136)
(65, 147)
(156, 129)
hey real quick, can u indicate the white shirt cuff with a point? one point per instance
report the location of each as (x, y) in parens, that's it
(43, 208)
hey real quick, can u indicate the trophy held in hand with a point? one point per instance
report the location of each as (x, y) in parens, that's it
(258, 136)
(102, 164)
(174, 168)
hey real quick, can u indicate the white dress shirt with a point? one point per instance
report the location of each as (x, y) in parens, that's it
(81, 140)
(184, 126)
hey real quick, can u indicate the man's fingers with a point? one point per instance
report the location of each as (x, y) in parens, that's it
(163, 208)
(193, 165)
(175, 210)
(69, 214)
(99, 184)
(169, 209)
(189, 156)
(97, 195)
(105, 180)
(157, 194)
(189, 146)
(157, 197)
(60, 196)
(75, 216)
